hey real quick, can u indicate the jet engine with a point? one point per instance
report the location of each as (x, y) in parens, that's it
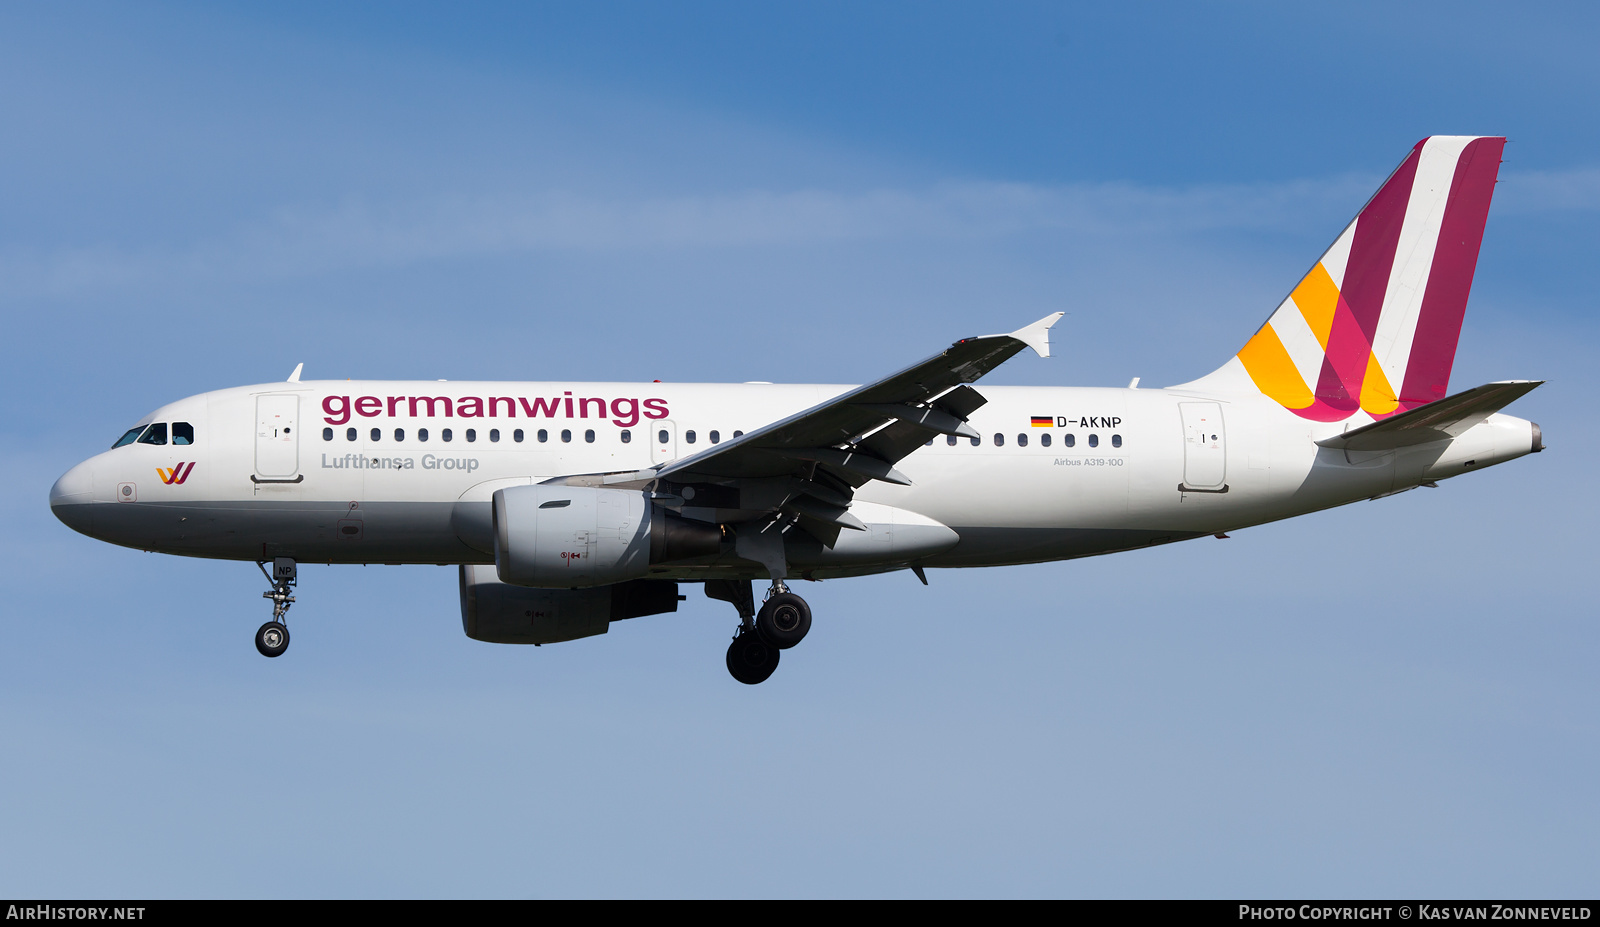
(576, 537)
(500, 614)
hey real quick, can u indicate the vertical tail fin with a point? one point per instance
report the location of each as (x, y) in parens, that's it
(1374, 324)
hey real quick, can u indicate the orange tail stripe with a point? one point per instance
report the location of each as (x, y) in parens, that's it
(1274, 373)
(1317, 296)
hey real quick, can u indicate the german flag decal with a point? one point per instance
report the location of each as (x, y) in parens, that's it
(1043, 421)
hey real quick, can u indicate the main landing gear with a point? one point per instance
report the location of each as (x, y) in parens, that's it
(781, 623)
(272, 638)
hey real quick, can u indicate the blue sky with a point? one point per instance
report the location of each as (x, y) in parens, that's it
(1393, 698)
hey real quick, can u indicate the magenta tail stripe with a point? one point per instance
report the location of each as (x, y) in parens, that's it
(1455, 259)
(1366, 282)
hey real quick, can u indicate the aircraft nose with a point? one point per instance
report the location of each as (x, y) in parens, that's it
(72, 497)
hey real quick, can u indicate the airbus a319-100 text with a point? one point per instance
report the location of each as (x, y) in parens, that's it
(568, 506)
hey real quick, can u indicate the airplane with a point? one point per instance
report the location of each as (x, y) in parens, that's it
(569, 506)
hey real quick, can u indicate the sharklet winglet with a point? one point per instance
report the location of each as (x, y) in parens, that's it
(1037, 335)
(295, 377)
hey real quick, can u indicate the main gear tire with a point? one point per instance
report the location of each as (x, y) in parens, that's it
(750, 659)
(784, 620)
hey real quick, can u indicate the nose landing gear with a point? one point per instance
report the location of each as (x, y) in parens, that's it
(272, 638)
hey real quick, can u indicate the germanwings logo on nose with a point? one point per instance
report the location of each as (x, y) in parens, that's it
(176, 475)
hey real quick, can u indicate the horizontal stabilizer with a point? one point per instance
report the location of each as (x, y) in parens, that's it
(1437, 421)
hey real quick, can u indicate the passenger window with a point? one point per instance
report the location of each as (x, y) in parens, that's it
(399, 434)
(132, 435)
(377, 435)
(349, 434)
(472, 434)
(662, 437)
(1044, 439)
(1022, 440)
(494, 436)
(999, 440)
(155, 434)
(930, 443)
(588, 436)
(182, 433)
(1094, 440)
(1069, 440)
(445, 434)
(738, 434)
(688, 436)
(715, 437)
(422, 434)
(627, 436)
(1116, 440)
(566, 436)
(950, 440)
(543, 436)
(327, 434)
(517, 436)
(976, 441)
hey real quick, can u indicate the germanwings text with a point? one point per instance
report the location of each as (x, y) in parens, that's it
(624, 412)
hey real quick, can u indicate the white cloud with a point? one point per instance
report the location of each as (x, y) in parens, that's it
(302, 240)
(1548, 191)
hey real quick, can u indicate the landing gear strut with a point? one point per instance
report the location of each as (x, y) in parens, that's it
(272, 638)
(781, 623)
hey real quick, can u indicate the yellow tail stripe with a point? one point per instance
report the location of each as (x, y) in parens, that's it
(1274, 373)
(1317, 296)
(1377, 396)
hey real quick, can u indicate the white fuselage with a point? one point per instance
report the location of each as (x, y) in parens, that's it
(339, 471)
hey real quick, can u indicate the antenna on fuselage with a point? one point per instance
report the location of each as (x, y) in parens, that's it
(295, 377)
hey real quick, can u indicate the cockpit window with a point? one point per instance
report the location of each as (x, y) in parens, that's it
(182, 433)
(155, 434)
(129, 438)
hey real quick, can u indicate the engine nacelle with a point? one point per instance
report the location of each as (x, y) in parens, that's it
(500, 614)
(576, 537)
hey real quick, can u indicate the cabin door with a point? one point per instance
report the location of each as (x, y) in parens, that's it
(277, 436)
(1205, 448)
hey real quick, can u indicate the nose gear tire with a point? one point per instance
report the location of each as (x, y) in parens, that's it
(272, 639)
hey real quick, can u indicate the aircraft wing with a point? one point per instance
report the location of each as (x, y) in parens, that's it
(859, 435)
(810, 463)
